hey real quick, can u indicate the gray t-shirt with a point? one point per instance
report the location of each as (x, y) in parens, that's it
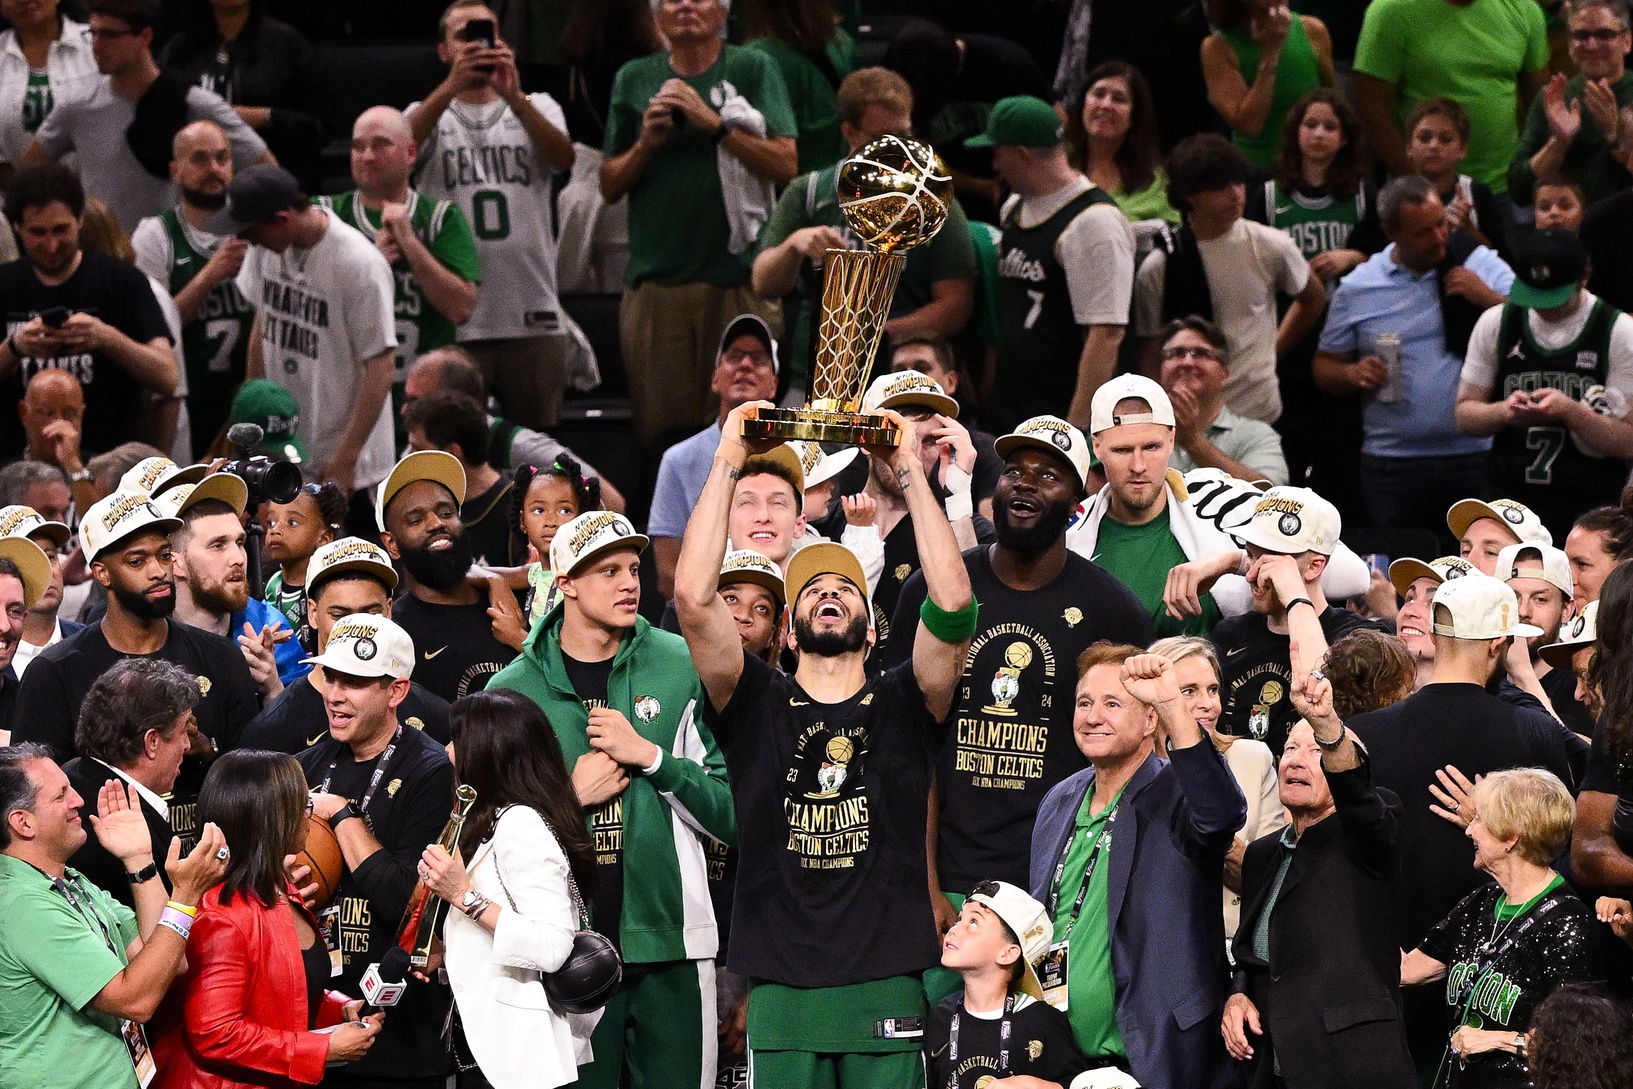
(94, 127)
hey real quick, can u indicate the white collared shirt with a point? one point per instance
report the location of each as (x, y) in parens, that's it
(159, 805)
(27, 652)
(73, 74)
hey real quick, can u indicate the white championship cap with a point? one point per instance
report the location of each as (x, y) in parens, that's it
(1103, 409)
(1556, 566)
(1481, 607)
(1290, 521)
(365, 645)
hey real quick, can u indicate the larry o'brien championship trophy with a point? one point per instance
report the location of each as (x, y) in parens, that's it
(425, 908)
(894, 194)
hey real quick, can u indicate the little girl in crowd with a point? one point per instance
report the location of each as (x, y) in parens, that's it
(545, 500)
(295, 530)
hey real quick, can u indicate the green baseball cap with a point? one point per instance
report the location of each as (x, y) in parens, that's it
(1021, 121)
(274, 409)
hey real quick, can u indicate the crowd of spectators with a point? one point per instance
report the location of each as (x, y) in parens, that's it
(1225, 680)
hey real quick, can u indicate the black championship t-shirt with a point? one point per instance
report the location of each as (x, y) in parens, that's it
(455, 652)
(1256, 663)
(1498, 970)
(1469, 728)
(57, 682)
(296, 720)
(1011, 737)
(901, 561)
(831, 806)
(407, 810)
(589, 680)
(1040, 1044)
(106, 288)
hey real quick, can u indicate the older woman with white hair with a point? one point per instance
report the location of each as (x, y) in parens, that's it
(1508, 945)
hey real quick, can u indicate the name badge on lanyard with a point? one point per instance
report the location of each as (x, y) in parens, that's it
(132, 1033)
(1055, 969)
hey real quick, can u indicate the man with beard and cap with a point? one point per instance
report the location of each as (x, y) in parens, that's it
(212, 580)
(417, 511)
(199, 269)
(1288, 540)
(126, 539)
(24, 576)
(343, 578)
(946, 456)
(1041, 606)
(653, 794)
(830, 768)
(1540, 576)
(42, 628)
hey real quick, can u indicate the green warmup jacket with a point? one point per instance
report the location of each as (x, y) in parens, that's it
(667, 914)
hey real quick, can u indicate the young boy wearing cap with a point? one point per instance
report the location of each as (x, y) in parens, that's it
(126, 538)
(1452, 720)
(1482, 529)
(998, 1026)
(831, 771)
(1229, 270)
(1540, 577)
(1288, 539)
(1549, 375)
(384, 788)
(1041, 605)
(627, 707)
(345, 577)
(1140, 526)
(1065, 271)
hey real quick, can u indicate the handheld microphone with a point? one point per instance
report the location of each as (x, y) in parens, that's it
(245, 434)
(384, 983)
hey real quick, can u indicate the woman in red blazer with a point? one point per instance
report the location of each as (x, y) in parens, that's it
(245, 1011)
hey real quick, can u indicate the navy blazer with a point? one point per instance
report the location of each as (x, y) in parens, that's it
(1174, 824)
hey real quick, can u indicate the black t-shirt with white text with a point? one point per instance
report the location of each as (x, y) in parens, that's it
(58, 680)
(589, 681)
(455, 652)
(1040, 1045)
(106, 288)
(831, 807)
(1011, 737)
(1255, 689)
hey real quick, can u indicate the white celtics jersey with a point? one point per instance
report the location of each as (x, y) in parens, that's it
(324, 312)
(482, 159)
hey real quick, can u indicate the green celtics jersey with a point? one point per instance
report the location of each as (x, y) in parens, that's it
(37, 101)
(421, 327)
(215, 343)
(1315, 224)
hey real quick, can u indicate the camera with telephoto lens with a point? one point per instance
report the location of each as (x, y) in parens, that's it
(268, 481)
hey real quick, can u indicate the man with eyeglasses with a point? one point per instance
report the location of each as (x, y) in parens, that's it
(936, 293)
(1575, 124)
(1206, 433)
(124, 153)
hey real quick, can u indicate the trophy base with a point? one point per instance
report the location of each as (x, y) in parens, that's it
(817, 425)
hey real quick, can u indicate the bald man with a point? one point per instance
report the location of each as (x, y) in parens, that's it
(53, 414)
(198, 269)
(428, 243)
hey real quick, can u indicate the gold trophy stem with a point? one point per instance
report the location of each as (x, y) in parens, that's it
(425, 908)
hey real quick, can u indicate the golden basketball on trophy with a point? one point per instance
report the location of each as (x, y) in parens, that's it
(894, 194)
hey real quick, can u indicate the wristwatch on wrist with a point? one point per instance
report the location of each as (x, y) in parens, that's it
(146, 873)
(81, 476)
(344, 813)
(1330, 746)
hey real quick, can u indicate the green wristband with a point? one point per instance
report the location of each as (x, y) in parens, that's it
(949, 627)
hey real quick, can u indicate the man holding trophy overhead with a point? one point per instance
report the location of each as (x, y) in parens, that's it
(830, 767)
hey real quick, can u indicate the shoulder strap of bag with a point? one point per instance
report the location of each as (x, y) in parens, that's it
(572, 885)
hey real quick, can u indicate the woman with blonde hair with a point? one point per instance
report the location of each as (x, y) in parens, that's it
(1509, 945)
(1196, 670)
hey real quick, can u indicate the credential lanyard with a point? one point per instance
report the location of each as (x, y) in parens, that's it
(87, 911)
(1003, 1041)
(1100, 842)
(374, 780)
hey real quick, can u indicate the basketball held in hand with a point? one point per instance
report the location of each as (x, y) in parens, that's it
(322, 856)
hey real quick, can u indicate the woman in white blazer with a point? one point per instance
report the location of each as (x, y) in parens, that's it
(1251, 762)
(512, 917)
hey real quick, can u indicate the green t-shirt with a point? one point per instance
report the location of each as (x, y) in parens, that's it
(833, 1019)
(53, 961)
(421, 327)
(814, 96)
(1091, 989)
(1140, 557)
(812, 200)
(678, 232)
(1473, 53)
(290, 601)
(1148, 203)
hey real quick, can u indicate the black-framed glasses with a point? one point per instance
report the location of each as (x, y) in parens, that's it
(1604, 35)
(1193, 351)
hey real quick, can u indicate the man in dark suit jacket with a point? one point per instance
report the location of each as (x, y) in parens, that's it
(1173, 822)
(1317, 989)
(133, 731)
